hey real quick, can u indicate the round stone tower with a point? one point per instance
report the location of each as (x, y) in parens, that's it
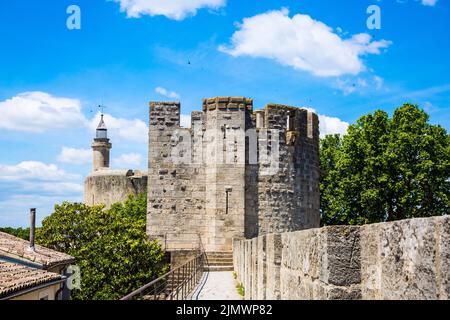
(101, 147)
(104, 185)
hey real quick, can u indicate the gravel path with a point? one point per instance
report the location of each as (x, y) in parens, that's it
(216, 286)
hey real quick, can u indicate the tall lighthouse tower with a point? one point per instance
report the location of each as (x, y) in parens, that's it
(101, 147)
(107, 186)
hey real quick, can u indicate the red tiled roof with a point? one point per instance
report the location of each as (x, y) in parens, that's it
(11, 246)
(15, 278)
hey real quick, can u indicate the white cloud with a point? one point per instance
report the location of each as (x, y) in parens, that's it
(133, 130)
(75, 156)
(130, 160)
(14, 209)
(430, 3)
(35, 184)
(378, 81)
(32, 171)
(62, 187)
(302, 43)
(332, 125)
(53, 188)
(345, 86)
(357, 84)
(167, 93)
(39, 111)
(172, 9)
(185, 121)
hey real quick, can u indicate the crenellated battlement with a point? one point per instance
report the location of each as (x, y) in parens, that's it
(295, 121)
(228, 104)
(164, 114)
(235, 173)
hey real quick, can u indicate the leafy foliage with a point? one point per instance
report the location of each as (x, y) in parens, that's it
(240, 289)
(23, 233)
(110, 246)
(386, 169)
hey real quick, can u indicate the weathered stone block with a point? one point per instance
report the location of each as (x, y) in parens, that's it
(273, 260)
(406, 259)
(443, 258)
(320, 263)
(254, 269)
(261, 268)
(341, 264)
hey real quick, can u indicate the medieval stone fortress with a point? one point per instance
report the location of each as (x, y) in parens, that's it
(314, 163)
(234, 174)
(243, 186)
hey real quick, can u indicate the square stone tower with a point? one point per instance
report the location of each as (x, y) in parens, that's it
(233, 174)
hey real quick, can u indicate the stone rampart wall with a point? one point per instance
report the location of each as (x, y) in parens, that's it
(408, 259)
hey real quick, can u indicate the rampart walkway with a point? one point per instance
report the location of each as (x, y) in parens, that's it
(216, 286)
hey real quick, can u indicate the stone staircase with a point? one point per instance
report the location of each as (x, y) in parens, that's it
(219, 261)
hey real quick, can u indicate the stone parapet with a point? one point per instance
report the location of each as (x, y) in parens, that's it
(408, 259)
(228, 104)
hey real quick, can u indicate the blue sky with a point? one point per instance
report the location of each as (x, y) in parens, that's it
(313, 53)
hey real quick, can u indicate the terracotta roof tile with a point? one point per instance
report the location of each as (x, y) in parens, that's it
(16, 277)
(13, 246)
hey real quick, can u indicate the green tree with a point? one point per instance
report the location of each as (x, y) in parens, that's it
(386, 169)
(23, 233)
(110, 246)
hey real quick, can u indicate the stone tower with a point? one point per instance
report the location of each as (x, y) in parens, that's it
(107, 186)
(101, 147)
(235, 173)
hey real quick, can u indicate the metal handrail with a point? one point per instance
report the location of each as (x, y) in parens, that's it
(176, 284)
